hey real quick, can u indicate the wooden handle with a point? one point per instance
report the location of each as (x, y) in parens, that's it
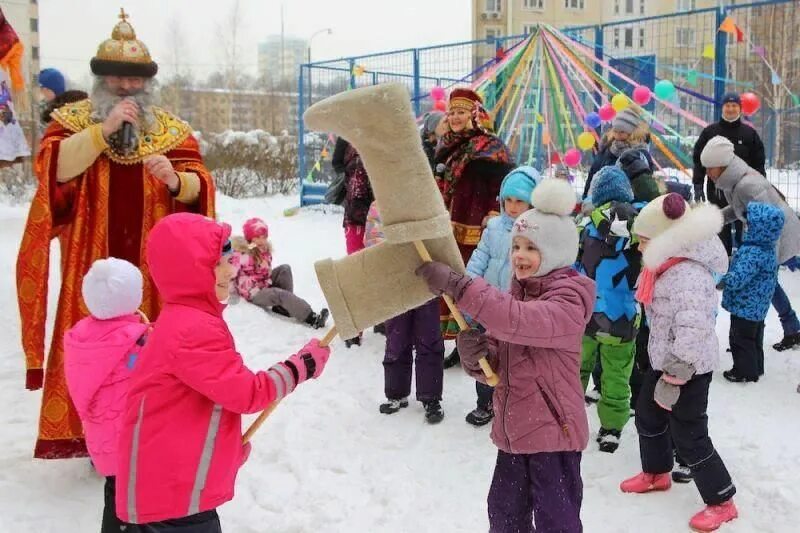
(491, 377)
(325, 342)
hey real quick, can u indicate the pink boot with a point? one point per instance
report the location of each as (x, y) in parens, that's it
(713, 516)
(641, 483)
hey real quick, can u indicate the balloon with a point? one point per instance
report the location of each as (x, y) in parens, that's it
(750, 103)
(665, 89)
(593, 120)
(440, 105)
(585, 141)
(437, 93)
(606, 113)
(573, 157)
(546, 137)
(620, 102)
(555, 158)
(642, 95)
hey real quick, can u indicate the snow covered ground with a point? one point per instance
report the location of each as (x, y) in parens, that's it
(327, 461)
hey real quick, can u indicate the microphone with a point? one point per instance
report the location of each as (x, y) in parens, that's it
(127, 135)
(440, 168)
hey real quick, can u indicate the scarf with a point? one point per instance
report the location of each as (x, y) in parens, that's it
(458, 149)
(647, 279)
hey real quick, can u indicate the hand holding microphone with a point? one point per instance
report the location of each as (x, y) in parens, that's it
(124, 113)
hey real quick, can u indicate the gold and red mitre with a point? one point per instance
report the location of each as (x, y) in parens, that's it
(123, 54)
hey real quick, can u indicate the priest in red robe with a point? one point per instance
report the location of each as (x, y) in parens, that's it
(109, 167)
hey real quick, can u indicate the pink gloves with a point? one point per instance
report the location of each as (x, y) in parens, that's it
(310, 361)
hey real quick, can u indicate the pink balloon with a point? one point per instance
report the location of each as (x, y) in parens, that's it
(440, 105)
(437, 93)
(606, 112)
(642, 95)
(573, 157)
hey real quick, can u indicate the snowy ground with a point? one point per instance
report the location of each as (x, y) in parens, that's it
(328, 461)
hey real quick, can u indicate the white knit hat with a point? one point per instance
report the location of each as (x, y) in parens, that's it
(659, 215)
(549, 225)
(717, 153)
(112, 288)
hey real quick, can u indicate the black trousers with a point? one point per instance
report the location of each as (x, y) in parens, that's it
(747, 347)
(205, 522)
(685, 427)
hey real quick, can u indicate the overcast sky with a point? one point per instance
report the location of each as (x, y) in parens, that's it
(70, 30)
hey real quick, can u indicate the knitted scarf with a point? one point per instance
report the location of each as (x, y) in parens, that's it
(647, 279)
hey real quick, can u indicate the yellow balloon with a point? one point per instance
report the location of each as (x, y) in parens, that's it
(585, 141)
(620, 102)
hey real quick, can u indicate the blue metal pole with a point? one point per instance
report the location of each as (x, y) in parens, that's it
(598, 47)
(417, 105)
(352, 75)
(301, 145)
(720, 63)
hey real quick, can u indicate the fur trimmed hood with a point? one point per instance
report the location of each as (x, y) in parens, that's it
(689, 237)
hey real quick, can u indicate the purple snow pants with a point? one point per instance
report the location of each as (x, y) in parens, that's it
(414, 331)
(545, 487)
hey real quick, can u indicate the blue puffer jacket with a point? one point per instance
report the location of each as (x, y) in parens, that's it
(751, 279)
(491, 260)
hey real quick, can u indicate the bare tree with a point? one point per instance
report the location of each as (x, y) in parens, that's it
(228, 31)
(772, 29)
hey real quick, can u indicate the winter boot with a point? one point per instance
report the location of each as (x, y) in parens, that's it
(480, 416)
(643, 482)
(452, 360)
(355, 341)
(713, 516)
(682, 474)
(787, 343)
(608, 439)
(392, 406)
(380, 329)
(593, 396)
(733, 377)
(278, 310)
(433, 412)
(317, 320)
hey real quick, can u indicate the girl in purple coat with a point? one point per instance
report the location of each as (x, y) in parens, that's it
(533, 342)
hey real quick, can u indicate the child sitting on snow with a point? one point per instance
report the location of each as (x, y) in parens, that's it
(260, 284)
(181, 441)
(490, 260)
(610, 256)
(533, 342)
(681, 254)
(100, 352)
(417, 331)
(748, 289)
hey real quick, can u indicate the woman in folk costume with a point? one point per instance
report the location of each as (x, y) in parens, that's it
(475, 163)
(102, 187)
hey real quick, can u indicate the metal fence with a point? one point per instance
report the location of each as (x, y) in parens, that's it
(684, 47)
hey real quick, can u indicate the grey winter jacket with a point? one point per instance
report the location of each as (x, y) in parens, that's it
(741, 185)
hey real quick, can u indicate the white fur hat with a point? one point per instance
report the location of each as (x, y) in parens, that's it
(717, 153)
(549, 225)
(112, 288)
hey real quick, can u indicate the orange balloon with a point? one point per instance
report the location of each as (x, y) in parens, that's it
(546, 137)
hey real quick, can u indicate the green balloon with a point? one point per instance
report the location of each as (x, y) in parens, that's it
(665, 89)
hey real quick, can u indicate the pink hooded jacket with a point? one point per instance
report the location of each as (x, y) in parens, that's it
(98, 359)
(181, 441)
(535, 335)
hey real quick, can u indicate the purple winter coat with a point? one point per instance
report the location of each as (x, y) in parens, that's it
(535, 334)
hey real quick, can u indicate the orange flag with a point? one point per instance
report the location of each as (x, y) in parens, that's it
(728, 26)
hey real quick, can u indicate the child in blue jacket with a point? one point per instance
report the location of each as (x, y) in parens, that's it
(748, 289)
(491, 260)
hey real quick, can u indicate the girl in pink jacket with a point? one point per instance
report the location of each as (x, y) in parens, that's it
(260, 284)
(181, 441)
(533, 342)
(100, 352)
